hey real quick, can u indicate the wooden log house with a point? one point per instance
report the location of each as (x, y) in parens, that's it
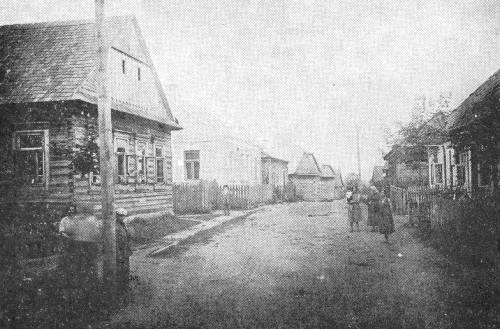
(48, 117)
(474, 136)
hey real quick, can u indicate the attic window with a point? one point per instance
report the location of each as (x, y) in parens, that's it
(139, 74)
(123, 66)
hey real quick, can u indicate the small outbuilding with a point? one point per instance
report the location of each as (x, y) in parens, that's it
(332, 186)
(307, 178)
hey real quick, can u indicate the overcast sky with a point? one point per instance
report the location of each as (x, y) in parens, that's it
(306, 70)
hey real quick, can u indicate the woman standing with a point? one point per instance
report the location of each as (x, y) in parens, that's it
(123, 253)
(373, 208)
(386, 221)
(355, 215)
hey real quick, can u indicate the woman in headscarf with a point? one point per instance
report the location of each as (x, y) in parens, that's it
(355, 215)
(123, 253)
(373, 208)
(386, 221)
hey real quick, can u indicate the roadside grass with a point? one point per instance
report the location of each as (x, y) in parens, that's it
(144, 230)
(42, 301)
(472, 266)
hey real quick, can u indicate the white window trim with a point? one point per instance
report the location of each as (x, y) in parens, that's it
(144, 156)
(160, 145)
(435, 173)
(44, 148)
(192, 162)
(122, 179)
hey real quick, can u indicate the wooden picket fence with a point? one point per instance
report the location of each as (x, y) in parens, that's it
(399, 198)
(204, 197)
(191, 198)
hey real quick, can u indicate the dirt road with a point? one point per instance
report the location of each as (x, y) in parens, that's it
(292, 266)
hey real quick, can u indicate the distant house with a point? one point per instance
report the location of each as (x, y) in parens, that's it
(307, 178)
(225, 159)
(407, 166)
(332, 186)
(48, 117)
(474, 130)
(315, 183)
(440, 153)
(274, 171)
(378, 176)
(442, 166)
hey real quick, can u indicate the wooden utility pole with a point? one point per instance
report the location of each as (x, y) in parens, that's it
(358, 153)
(106, 158)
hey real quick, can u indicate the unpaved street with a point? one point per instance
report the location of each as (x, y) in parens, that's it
(289, 266)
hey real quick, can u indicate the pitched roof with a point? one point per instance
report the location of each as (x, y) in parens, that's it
(327, 171)
(52, 61)
(265, 155)
(338, 178)
(378, 174)
(464, 113)
(403, 153)
(308, 166)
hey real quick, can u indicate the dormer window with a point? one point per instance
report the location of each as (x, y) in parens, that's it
(123, 66)
(139, 74)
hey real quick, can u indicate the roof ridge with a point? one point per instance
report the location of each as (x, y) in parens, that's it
(75, 22)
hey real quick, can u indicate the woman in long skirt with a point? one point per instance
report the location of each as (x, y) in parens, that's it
(386, 221)
(355, 215)
(373, 208)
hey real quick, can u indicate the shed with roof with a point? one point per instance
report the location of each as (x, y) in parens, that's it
(332, 186)
(307, 178)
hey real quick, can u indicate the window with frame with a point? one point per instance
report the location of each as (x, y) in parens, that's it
(141, 162)
(461, 168)
(121, 146)
(438, 168)
(433, 175)
(484, 172)
(160, 164)
(460, 175)
(31, 157)
(192, 164)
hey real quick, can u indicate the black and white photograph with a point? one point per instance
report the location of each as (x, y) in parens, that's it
(193, 164)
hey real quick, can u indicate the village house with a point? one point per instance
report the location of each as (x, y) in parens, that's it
(48, 117)
(440, 153)
(224, 159)
(378, 176)
(406, 165)
(332, 185)
(314, 184)
(274, 171)
(306, 178)
(442, 166)
(474, 130)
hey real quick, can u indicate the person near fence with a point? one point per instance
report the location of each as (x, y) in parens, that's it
(354, 209)
(123, 253)
(373, 208)
(226, 199)
(386, 220)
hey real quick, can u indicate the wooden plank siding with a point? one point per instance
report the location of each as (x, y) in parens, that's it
(73, 132)
(136, 197)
